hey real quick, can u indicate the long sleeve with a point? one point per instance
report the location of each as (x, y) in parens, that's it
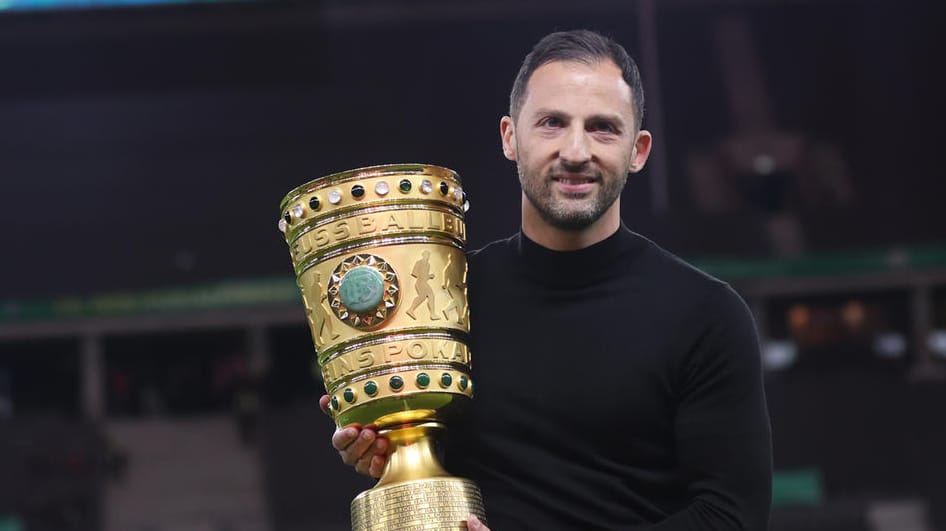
(723, 436)
(616, 388)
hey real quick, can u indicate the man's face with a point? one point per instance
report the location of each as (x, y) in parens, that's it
(574, 143)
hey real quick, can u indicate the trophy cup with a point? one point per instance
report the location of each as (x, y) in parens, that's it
(378, 253)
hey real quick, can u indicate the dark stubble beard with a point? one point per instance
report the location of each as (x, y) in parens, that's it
(556, 213)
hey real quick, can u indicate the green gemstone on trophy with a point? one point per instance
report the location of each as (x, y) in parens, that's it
(464, 381)
(396, 383)
(371, 388)
(446, 379)
(405, 185)
(423, 380)
(362, 289)
(349, 396)
(335, 402)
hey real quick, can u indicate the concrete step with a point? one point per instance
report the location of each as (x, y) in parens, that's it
(185, 475)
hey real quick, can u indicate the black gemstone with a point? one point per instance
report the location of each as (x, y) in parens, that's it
(444, 188)
(358, 191)
(314, 203)
(288, 218)
(405, 185)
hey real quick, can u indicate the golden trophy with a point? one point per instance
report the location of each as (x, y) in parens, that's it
(378, 253)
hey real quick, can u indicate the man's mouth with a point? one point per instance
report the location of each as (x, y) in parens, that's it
(574, 184)
(574, 180)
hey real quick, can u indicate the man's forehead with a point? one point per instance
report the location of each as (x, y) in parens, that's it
(563, 65)
(598, 75)
(604, 70)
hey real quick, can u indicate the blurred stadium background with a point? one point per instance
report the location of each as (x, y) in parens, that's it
(155, 367)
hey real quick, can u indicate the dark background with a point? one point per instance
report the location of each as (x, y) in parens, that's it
(149, 148)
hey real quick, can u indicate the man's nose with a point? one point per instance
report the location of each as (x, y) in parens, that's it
(575, 149)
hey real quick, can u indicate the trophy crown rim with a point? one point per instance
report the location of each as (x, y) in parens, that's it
(405, 168)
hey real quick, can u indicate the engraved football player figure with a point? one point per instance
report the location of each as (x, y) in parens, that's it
(320, 296)
(454, 282)
(422, 273)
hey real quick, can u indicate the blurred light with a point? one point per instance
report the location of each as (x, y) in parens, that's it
(798, 317)
(890, 345)
(937, 343)
(852, 314)
(763, 164)
(899, 515)
(779, 354)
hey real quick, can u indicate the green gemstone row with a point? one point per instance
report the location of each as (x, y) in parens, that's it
(396, 383)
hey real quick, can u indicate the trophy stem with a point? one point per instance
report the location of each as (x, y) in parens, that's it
(415, 491)
(413, 456)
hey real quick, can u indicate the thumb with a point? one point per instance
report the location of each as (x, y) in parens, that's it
(323, 404)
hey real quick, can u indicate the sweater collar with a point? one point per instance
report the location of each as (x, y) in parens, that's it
(580, 268)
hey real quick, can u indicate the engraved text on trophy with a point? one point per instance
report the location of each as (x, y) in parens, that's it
(377, 223)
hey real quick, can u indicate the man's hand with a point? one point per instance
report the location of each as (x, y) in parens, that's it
(473, 524)
(359, 446)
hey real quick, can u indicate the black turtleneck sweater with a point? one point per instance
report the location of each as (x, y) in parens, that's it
(616, 387)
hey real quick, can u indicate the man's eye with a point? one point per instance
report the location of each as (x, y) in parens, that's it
(604, 127)
(551, 121)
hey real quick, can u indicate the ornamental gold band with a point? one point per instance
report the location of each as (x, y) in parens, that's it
(378, 253)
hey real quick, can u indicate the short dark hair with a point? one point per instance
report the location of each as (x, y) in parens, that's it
(583, 46)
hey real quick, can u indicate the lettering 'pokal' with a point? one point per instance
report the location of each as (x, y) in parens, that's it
(379, 257)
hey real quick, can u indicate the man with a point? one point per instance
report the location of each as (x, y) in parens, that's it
(617, 387)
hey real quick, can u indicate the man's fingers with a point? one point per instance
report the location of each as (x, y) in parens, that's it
(473, 524)
(363, 465)
(378, 453)
(356, 450)
(343, 437)
(362, 449)
(377, 466)
(371, 463)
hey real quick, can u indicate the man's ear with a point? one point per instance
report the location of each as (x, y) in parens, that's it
(640, 151)
(507, 132)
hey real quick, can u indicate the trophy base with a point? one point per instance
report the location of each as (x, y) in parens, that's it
(428, 504)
